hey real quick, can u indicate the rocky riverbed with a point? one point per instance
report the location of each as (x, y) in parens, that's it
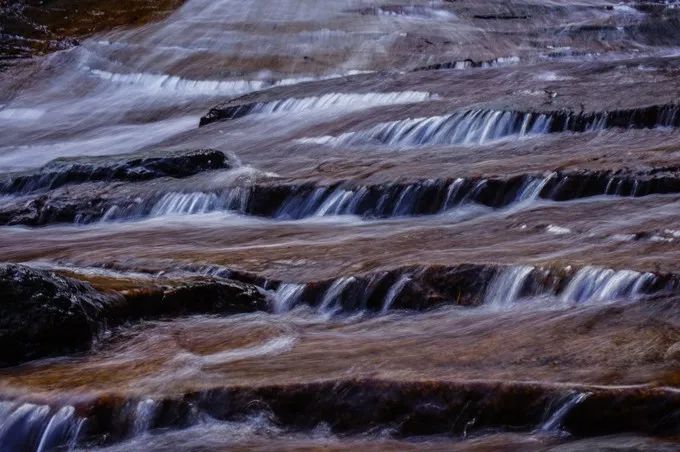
(366, 224)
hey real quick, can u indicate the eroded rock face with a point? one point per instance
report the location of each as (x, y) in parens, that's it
(42, 313)
(134, 167)
(92, 201)
(404, 409)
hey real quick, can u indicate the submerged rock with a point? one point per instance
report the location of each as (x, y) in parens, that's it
(133, 167)
(43, 314)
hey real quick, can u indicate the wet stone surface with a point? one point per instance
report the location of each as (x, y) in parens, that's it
(375, 225)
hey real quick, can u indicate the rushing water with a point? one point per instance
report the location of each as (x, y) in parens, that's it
(430, 225)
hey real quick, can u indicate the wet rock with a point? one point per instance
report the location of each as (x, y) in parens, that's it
(86, 203)
(42, 314)
(197, 296)
(408, 408)
(421, 288)
(134, 167)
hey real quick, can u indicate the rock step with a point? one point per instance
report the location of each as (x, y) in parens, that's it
(130, 168)
(421, 288)
(86, 204)
(44, 314)
(348, 406)
(238, 108)
(469, 64)
(479, 126)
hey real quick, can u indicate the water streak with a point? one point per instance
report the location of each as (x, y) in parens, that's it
(596, 284)
(557, 418)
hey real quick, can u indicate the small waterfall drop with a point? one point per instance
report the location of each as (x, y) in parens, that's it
(394, 291)
(186, 204)
(287, 296)
(596, 284)
(330, 303)
(533, 188)
(143, 416)
(340, 100)
(38, 427)
(505, 288)
(463, 128)
(557, 418)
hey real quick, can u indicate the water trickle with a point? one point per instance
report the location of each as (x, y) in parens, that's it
(464, 128)
(62, 429)
(332, 298)
(556, 420)
(173, 84)
(596, 284)
(36, 427)
(186, 204)
(505, 289)
(143, 416)
(349, 101)
(287, 296)
(533, 188)
(395, 291)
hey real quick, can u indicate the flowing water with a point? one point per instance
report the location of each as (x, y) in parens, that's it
(462, 217)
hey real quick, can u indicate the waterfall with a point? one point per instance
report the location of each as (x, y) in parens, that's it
(592, 284)
(330, 303)
(467, 64)
(475, 127)
(394, 292)
(38, 427)
(143, 416)
(186, 204)
(340, 100)
(174, 84)
(415, 11)
(533, 188)
(557, 418)
(424, 197)
(464, 128)
(505, 288)
(287, 296)
(335, 203)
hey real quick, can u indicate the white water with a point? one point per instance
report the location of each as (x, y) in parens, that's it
(133, 88)
(394, 292)
(595, 284)
(330, 303)
(345, 101)
(557, 418)
(505, 289)
(588, 285)
(37, 427)
(464, 128)
(286, 296)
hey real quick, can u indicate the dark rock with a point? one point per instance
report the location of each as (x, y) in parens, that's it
(133, 167)
(90, 202)
(44, 314)
(411, 408)
(196, 296)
